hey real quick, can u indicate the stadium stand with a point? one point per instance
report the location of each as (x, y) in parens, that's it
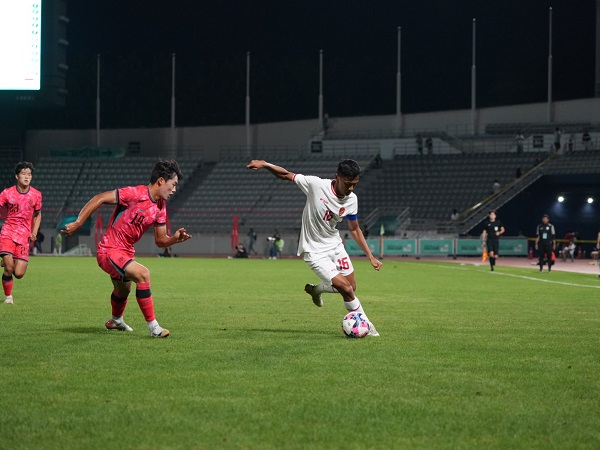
(67, 184)
(259, 200)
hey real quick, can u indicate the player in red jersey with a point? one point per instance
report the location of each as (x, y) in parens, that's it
(137, 208)
(24, 204)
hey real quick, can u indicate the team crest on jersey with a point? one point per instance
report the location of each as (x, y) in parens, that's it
(342, 211)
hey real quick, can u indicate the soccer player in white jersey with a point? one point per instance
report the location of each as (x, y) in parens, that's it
(327, 203)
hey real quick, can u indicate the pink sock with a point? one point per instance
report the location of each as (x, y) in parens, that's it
(118, 304)
(144, 299)
(7, 284)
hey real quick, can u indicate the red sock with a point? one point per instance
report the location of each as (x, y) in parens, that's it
(118, 304)
(7, 284)
(144, 299)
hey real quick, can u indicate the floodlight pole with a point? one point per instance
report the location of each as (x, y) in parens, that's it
(173, 133)
(98, 100)
(248, 144)
(321, 123)
(597, 84)
(399, 84)
(474, 82)
(550, 112)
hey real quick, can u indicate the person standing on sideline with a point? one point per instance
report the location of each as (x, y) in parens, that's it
(492, 230)
(137, 209)
(520, 140)
(24, 205)
(251, 241)
(328, 202)
(545, 243)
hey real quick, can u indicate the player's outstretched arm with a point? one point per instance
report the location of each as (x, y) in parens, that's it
(358, 236)
(279, 172)
(162, 240)
(105, 198)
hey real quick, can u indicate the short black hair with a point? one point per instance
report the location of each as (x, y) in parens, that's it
(166, 169)
(23, 165)
(348, 168)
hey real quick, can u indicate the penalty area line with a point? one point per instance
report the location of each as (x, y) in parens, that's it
(524, 277)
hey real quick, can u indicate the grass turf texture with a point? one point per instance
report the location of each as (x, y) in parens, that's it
(466, 359)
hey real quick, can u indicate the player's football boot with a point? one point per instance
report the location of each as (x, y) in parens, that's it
(372, 330)
(159, 332)
(316, 298)
(9, 300)
(114, 325)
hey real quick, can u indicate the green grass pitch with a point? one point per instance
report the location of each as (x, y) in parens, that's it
(466, 359)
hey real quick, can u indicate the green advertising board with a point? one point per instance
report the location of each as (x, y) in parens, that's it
(353, 249)
(508, 247)
(513, 247)
(436, 247)
(400, 247)
(469, 247)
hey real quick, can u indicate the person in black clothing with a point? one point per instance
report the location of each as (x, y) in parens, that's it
(545, 243)
(492, 229)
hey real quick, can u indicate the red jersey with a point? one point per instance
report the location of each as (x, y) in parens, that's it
(21, 208)
(135, 212)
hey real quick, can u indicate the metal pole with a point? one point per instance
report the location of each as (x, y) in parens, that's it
(173, 134)
(474, 83)
(550, 115)
(98, 100)
(597, 84)
(321, 123)
(399, 84)
(248, 146)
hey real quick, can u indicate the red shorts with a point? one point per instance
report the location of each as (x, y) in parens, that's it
(10, 247)
(114, 262)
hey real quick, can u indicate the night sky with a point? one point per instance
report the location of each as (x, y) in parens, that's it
(136, 39)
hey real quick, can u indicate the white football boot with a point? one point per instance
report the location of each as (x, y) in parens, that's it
(9, 300)
(316, 298)
(117, 325)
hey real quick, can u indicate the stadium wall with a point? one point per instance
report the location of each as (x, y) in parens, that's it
(209, 142)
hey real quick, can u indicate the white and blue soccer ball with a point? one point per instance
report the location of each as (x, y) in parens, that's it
(355, 325)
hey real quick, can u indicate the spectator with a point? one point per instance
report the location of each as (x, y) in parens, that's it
(37, 245)
(419, 142)
(454, 214)
(252, 236)
(378, 161)
(495, 186)
(568, 251)
(520, 140)
(557, 139)
(571, 143)
(58, 244)
(518, 173)
(240, 251)
(586, 140)
(429, 144)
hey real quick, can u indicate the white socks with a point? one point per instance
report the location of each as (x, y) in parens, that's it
(152, 324)
(355, 306)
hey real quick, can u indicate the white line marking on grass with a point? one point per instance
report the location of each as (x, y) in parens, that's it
(524, 277)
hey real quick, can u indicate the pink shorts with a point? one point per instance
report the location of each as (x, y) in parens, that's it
(114, 263)
(10, 247)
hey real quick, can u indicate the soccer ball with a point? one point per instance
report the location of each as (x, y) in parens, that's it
(355, 325)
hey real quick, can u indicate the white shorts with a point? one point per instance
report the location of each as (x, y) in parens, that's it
(328, 265)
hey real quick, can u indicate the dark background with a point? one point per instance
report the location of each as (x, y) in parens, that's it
(136, 39)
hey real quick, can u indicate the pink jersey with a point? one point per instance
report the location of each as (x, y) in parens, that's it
(21, 207)
(135, 212)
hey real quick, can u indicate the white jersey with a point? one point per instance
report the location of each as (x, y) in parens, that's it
(322, 212)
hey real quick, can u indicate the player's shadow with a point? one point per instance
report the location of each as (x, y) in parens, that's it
(281, 330)
(83, 330)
